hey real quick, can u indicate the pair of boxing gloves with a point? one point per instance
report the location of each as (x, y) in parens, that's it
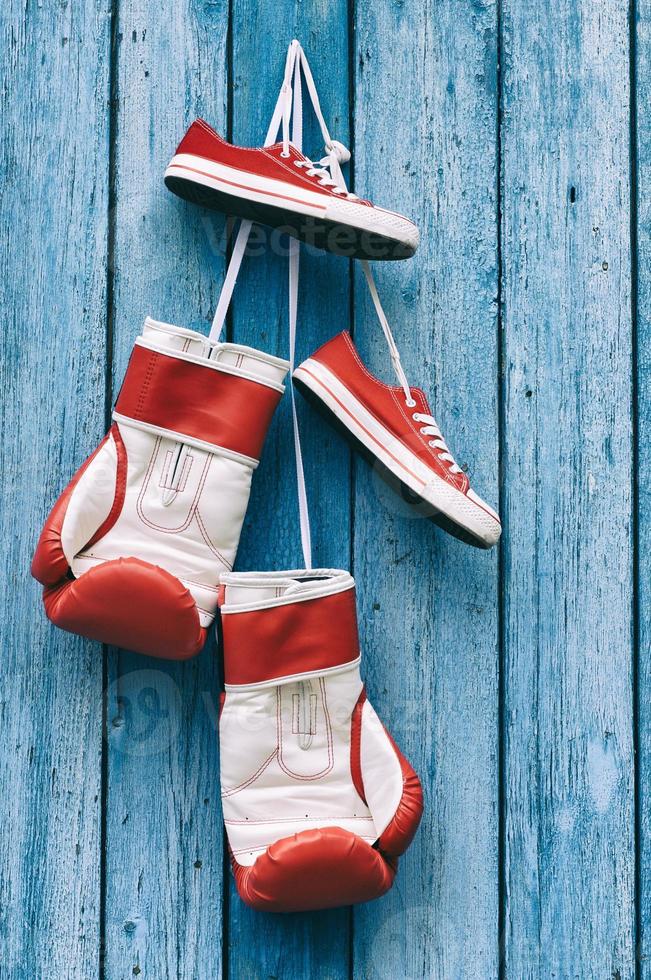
(137, 552)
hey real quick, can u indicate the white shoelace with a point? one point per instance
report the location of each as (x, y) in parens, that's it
(281, 115)
(328, 169)
(430, 428)
(325, 175)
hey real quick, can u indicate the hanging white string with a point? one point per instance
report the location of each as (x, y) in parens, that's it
(384, 323)
(336, 155)
(294, 263)
(290, 97)
(282, 108)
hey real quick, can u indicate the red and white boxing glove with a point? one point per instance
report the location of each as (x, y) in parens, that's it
(318, 801)
(132, 551)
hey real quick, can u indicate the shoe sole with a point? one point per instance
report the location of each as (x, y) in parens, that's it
(321, 233)
(389, 473)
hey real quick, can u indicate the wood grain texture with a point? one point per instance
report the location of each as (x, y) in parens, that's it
(163, 823)
(642, 258)
(425, 127)
(569, 853)
(53, 225)
(314, 945)
(523, 166)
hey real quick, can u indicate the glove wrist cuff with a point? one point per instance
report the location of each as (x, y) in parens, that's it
(293, 636)
(208, 402)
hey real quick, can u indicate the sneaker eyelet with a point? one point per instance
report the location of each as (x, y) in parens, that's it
(423, 430)
(416, 416)
(410, 403)
(284, 155)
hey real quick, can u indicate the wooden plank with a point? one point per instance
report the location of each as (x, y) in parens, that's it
(642, 267)
(568, 753)
(425, 138)
(163, 826)
(53, 226)
(301, 945)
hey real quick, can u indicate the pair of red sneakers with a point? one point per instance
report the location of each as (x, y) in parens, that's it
(392, 425)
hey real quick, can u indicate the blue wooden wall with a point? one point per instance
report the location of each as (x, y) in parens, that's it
(518, 135)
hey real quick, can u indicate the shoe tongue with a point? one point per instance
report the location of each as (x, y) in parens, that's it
(421, 398)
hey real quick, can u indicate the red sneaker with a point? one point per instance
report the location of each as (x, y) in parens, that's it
(392, 426)
(286, 190)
